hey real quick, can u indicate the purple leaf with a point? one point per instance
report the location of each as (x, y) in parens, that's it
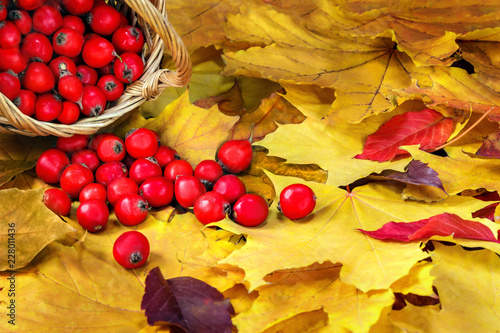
(187, 303)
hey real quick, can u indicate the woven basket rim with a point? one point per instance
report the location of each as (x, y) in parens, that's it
(151, 17)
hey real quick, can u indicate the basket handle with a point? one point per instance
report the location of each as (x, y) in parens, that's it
(159, 23)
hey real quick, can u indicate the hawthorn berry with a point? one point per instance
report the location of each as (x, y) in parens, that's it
(250, 210)
(111, 149)
(131, 249)
(72, 144)
(231, 187)
(57, 201)
(144, 168)
(141, 143)
(131, 209)
(187, 189)
(74, 178)
(177, 168)
(164, 155)
(108, 171)
(158, 191)
(51, 164)
(93, 191)
(119, 187)
(211, 207)
(92, 214)
(87, 157)
(235, 155)
(208, 171)
(296, 201)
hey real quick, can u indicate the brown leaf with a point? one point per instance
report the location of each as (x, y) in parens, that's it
(272, 110)
(490, 146)
(187, 303)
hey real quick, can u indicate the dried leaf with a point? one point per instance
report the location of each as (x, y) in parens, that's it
(467, 283)
(427, 128)
(440, 225)
(369, 264)
(9, 169)
(194, 132)
(185, 302)
(27, 227)
(490, 146)
(311, 288)
(416, 173)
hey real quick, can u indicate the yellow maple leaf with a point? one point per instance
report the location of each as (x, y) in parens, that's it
(330, 234)
(313, 288)
(467, 283)
(297, 55)
(473, 172)
(194, 132)
(27, 227)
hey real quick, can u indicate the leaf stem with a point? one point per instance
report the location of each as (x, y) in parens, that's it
(464, 133)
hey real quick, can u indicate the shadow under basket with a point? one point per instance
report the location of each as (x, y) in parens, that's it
(151, 17)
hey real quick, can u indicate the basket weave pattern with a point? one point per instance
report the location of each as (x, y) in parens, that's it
(151, 17)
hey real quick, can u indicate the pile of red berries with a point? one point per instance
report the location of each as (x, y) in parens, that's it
(134, 174)
(61, 59)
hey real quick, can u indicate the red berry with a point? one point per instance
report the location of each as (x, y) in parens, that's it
(50, 165)
(70, 87)
(187, 190)
(98, 52)
(70, 113)
(13, 59)
(73, 143)
(231, 187)
(29, 4)
(144, 168)
(61, 64)
(141, 142)
(93, 101)
(67, 42)
(93, 191)
(235, 155)
(48, 107)
(96, 139)
(158, 191)
(111, 149)
(297, 201)
(108, 171)
(78, 7)
(104, 20)
(87, 157)
(131, 249)
(111, 87)
(128, 67)
(57, 201)
(119, 187)
(74, 178)
(208, 171)
(10, 85)
(250, 210)
(25, 102)
(74, 22)
(47, 19)
(10, 36)
(164, 155)
(87, 75)
(128, 39)
(177, 168)
(37, 47)
(92, 214)
(38, 78)
(211, 207)
(131, 209)
(22, 20)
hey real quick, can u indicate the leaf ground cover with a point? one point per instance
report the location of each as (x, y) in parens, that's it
(356, 99)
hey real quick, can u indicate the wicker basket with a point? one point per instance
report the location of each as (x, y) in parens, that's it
(151, 16)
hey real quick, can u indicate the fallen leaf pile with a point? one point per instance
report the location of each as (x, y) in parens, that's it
(389, 111)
